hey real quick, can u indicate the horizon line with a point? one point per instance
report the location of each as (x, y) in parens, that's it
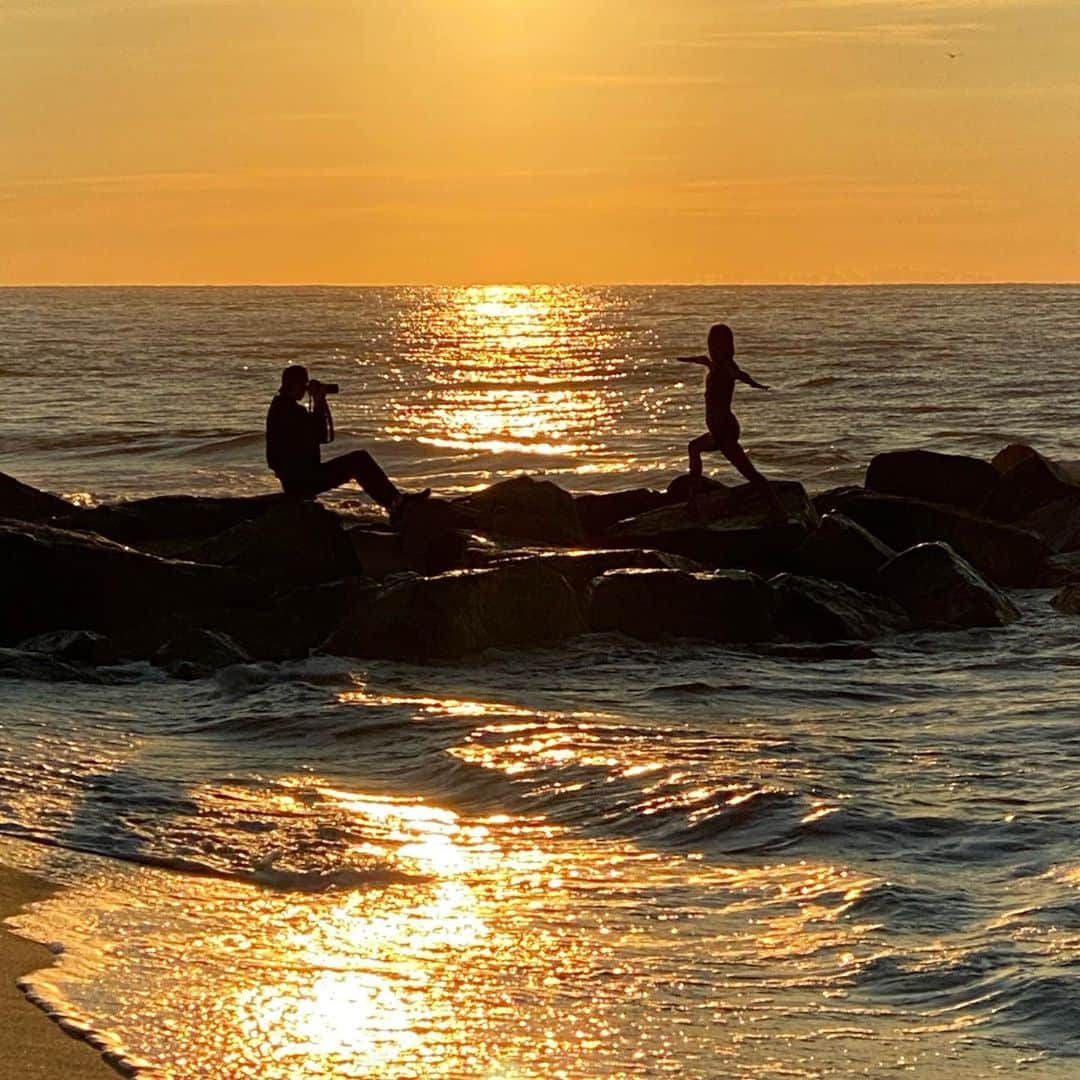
(913, 282)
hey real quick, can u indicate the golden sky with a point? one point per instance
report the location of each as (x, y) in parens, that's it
(539, 140)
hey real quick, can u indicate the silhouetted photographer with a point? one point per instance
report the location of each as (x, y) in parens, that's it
(295, 434)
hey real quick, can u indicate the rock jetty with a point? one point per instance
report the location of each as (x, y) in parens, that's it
(191, 584)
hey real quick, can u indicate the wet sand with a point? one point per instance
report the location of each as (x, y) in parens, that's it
(32, 1047)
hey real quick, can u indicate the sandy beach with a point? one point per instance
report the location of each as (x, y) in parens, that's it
(32, 1047)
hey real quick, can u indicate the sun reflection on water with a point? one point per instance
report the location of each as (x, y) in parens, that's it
(512, 369)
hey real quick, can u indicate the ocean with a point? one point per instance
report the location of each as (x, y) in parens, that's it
(602, 860)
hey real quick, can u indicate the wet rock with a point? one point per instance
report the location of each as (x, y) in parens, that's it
(579, 568)
(75, 647)
(952, 479)
(598, 513)
(940, 590)
(729, 528)
(170, 517)
(295, 543)
(523, 508)
(1007, 555)
(1058, 523)
(429, 539)
(295, 624)
(683, 487)
(724, 605)
(826, 502)
(197, 653)
(21, 502)
(461, 612)
(40, 667)
(810, 609)
(1067, 601)
(1027, 480)
(55, 579)
(840, 549)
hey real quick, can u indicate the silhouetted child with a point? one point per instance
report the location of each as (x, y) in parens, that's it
(723, 433)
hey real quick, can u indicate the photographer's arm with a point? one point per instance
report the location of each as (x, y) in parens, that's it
(324, 422)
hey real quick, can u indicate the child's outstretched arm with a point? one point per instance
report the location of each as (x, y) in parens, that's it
(746, 377)
(693, 359)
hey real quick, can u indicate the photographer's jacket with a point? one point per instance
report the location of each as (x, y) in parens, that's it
(293, 436)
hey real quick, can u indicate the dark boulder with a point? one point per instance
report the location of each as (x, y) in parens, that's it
(825, 502)
(429, 538)
(598, 513)
(74, 647)
(1067, 601)
(41, 667)
(295, 543)
(461, 612)
(522, 508)
(966, 482)
(54, 579)
(581, 567)
(171, 517)
(729, 528)
(842, 550)
(940, 590)
(295, 624)
(1027, 480)
(20, 502)
(724, 605)
(1058, 523)
(197, 653)
(810, 609)
(685, 487)
(1007, 555)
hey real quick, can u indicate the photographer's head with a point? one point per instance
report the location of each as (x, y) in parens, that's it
(294, 382)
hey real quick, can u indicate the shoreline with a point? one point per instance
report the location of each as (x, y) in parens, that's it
(33, 1046)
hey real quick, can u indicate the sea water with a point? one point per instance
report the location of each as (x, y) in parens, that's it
(605, 859)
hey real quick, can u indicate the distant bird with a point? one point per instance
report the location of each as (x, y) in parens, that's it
(953, 55)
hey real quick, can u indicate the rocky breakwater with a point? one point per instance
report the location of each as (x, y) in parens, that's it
(931, 541)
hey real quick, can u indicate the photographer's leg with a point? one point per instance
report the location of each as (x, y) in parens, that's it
(364, 469)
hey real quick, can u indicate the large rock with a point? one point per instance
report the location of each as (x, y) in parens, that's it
(1027, 480)
(940, 590)
(291, 625)
(197, 653)
(522, 508)
(1007, 555)
(461, 612)
(840, 549)
(724, 605)
(1058, 523)
(41, 667)
(598, 513)
(729, 528)
(429, 539)
(74, 647)
(810, 609)
(581, 567)
(171, 517)
(938, 478)
(53, 579)
(20, 502)
(295, 543)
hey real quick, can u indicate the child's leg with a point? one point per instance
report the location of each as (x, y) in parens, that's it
(700, 445)
(741, 460)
